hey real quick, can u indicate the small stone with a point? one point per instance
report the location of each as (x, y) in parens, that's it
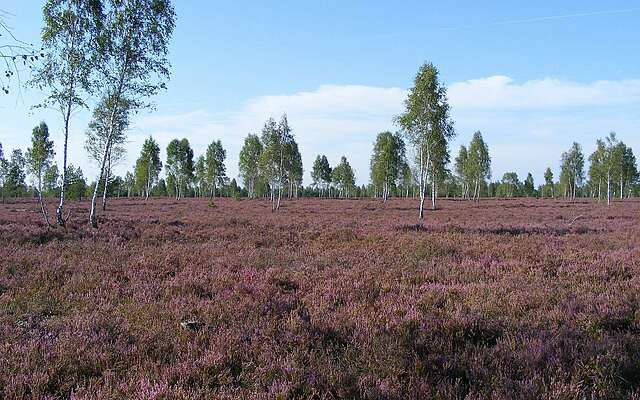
(192, 325)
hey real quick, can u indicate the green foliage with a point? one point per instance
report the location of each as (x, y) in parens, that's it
(51, 181)
(148, 166)
(280, 161)
(572, 170)
(215, 171)
(529, 188)
(509, 185)
(462, 169)
(179, 166)
(133, 49)
(76, 183)
(293, 168)
(249, 164)
(40, 155)
(343, 178)
(548, 181)
(129, 183)
(612, 166)
(115, 188)
(15, 175)
(107, 129)
(473, 166)
(426, 117)
(105, 136)
(199, 176)
(387, 162)
(160, 189)
(69, 36)
(321, 173)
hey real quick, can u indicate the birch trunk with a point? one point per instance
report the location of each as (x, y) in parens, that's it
(59, 217)
(423, 178)
(433, 192)
(93, 217)
(42, 208)
(608, 188)
(106, 182)
(146, 196)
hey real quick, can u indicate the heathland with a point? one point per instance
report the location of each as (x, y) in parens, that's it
(522, 298)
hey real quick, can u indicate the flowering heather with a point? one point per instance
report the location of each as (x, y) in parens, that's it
(520, 299)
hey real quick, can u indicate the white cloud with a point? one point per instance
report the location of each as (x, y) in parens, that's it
(503, 93)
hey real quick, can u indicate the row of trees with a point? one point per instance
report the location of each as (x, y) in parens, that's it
(38, 163)
(612, 172)
(337, 181)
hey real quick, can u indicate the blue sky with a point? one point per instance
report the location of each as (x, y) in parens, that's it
(532, 77)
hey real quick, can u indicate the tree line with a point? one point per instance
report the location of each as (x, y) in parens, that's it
(270, 166)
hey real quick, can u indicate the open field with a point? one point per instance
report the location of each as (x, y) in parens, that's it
(521, 298)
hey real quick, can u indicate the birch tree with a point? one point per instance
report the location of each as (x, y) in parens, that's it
(627, 169)
(248, 163)
(572, 166)
(293, 167)
(275, 139)
(16, 174)
(509, 185)
(479, 163)
(200, 176)
(101, 139)
(77, 183)
(321, 174)
(148, 166)
(610, 160)
(548, 180)
(597, 168)
(215, 170)
(129, 183)
(438, 172)
(426, 124)
(463, 171)
(343, 178)
(179, 165)
(387, 161)
(528, 186)
(39, 157)
(133, 63)
(71, 30)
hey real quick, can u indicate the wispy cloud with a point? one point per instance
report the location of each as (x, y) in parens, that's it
(517, 21)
